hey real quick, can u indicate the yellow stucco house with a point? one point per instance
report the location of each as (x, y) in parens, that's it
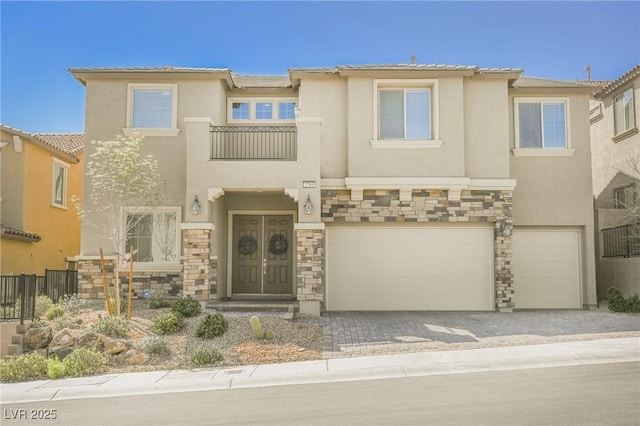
(39, 176)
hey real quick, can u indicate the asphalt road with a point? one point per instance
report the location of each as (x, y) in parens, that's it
(578, 395)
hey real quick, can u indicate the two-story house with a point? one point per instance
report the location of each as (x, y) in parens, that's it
(39, 175)
(370, 187)
(615, 146)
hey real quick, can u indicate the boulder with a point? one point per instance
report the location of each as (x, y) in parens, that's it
(92, 340)
(63, 339)
(37, 338)
(63, 353)
(138, 359)
(114, 347)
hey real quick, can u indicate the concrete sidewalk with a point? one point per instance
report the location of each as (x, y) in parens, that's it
(330, 370)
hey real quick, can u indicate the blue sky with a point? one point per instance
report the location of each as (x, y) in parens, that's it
(41, 40)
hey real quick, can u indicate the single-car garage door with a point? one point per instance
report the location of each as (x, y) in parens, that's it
(409, 268)
(546, 269)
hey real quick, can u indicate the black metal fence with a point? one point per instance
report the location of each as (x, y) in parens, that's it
(18, 292)
(254, 143)
(621, 241)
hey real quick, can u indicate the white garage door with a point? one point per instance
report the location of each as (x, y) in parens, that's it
(546, 269)
(401, 268)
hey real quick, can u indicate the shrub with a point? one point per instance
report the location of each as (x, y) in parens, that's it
(67, 321)
(83, 362)
(22, 368)
(618, 303)
(187, 307)
(72, 303)
(154, 345)
(168, 323)
(43, 303)
(55, 368)
(205, 355)
(212, 326)
(54, 312)
(157, 302)
(112, 326)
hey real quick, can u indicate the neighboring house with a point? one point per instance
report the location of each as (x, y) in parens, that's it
(615, 146)
(372, 187)
(39, 174)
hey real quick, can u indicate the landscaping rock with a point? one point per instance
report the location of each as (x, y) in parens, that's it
(138, 359)
(37, 338)
(64, 339)
(63, 353)
(114, 347)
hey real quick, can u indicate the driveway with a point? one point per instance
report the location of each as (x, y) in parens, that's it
(375, 333)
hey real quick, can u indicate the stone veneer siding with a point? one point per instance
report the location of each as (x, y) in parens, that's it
(310, 264)
(213, 278)
(196, 261)
(491, 206)
(90, 285)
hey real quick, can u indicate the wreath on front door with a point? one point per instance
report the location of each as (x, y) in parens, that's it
(247, 245)
(278, 244)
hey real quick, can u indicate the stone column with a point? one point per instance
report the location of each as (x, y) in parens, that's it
(310, 249)
(196, 260)
(503, 256)
(90, 284)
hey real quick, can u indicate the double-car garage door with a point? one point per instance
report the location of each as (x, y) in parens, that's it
(447, 268)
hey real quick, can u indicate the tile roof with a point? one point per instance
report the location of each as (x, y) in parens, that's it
(406, 67)
(150, 69)
(18, 234)
(535, 82)
(69, 144)
(261, 81)
(623, 79)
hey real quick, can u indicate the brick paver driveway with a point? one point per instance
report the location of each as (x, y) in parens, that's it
(374, 333)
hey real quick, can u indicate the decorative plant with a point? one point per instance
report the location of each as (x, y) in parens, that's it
(256, 326)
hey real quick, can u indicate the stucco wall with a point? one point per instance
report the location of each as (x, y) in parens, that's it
(12, 182)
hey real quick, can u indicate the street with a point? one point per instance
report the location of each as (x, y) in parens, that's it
(580, 395)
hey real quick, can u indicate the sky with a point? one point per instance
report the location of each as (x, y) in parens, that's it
(40, 41)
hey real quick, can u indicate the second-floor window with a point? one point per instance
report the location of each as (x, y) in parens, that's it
(623, 112)
(261, 110)
(626, 197)
(541, 123)
(152, 106)
(59, 184)
(404, 113)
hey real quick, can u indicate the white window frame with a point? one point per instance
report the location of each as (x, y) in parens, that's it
(625, 192)
(178, 240)
(595, 113)
(630, 128)
(434, 119)
(64, 167)
(253, 101)
(543, 151)
(151, 131)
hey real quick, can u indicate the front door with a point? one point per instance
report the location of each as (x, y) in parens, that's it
(262, 259)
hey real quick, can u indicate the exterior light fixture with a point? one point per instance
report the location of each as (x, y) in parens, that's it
(195, 206)
(308, 205)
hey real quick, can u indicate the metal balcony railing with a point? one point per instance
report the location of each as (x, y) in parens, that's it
(621, 241)
(254, 143)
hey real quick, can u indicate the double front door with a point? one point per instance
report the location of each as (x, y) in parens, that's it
(262, 259)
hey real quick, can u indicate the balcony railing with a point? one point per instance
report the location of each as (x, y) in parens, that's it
(621, 241)
(254, 143)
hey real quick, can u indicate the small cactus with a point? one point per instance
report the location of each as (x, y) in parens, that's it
(257, 329)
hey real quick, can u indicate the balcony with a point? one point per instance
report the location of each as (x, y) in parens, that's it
(274, 143)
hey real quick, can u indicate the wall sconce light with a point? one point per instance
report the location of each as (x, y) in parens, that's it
(195, 206)
(308, 205)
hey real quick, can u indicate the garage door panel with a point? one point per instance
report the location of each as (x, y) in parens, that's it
(373, 268)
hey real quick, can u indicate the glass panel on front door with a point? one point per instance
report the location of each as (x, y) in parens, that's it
(262, 260)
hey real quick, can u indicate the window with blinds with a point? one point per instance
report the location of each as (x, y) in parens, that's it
(541, 124)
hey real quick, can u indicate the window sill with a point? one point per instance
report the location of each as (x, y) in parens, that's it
(405, 144)
(542, 152)
(59, 206)
(129, 131)
(155, 267)
(625, 134)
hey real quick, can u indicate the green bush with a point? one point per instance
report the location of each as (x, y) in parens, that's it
(112, 326)
(23, 368)
(83, 362)
(212, 326)
(187, 307)
(54, 312)
(67, 321)
(154, 345)
(205, 355)
(157, 302)
(55, 368)
(618, 303)
(43, 303)
(168, 323)
(71, 303)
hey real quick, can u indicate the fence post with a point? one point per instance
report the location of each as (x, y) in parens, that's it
(22, 293)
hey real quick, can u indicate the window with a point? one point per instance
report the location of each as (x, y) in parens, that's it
(541, 126)
(406, 114)
(152, 109)
(626, 197)
(59, 184)
(261, 110)
(623, 112)
(595, 113)
(154, 235)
